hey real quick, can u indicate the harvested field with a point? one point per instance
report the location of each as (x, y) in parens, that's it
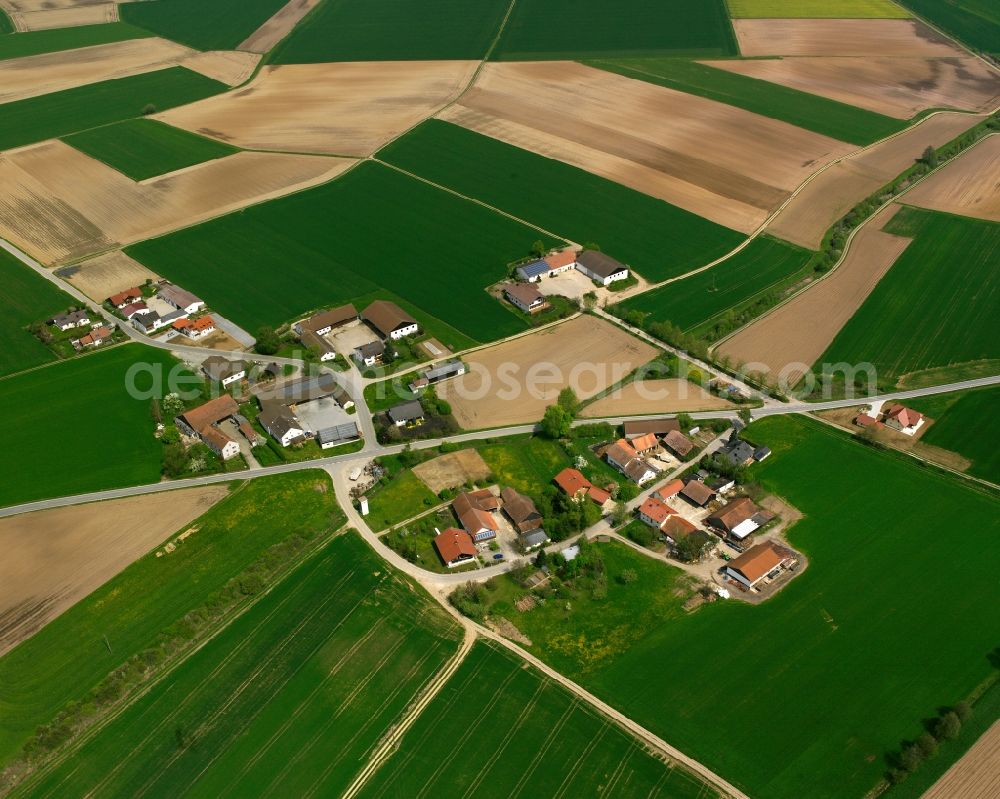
(60, 205)
(452, 470)
(788, 341)
(226, 66)
(106, 274)
(833, 193)
(896, 87)
(53, 558)
(513, 382)
(976, 775)
(723, 163)
(655, 396)
(968, 186)
(67, 17)
(834, 9)
(278, 26)
(349, 109)
(841, 37)
(52, 72)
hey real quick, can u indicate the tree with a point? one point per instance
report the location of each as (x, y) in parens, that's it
(148, 109)
(172, 406)
(947, 727)
(620, 514)
(590, 300)
(685, 421)
(268, 341)
(556, 422)
(542, 558)
(964, 711)
(538, 249)
(928, 744)
(911, 757)
(568, 401)
(691, 548)
(930, 157)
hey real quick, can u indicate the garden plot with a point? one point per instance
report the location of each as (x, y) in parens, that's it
(348, 109)
(655, 396)
(723, 163)
(452, 470)
(60, 205)
(53, 558)
(968, 186)
(842, 37)
(512, 383)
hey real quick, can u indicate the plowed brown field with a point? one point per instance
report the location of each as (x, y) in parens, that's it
(278, 26)
(969, 185)
(344, 108)
(655, 396)
(841, 37)
(718, 161)
(107, 274)
(976, 775)
(231, 67)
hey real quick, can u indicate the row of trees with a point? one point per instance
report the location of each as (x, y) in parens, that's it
(946, 727)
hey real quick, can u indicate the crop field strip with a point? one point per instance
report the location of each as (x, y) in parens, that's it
(965, 422)
(140, 606)
(657, 239)
(975, 23)
(26, 298)
(219, 25)
(800, 108)
(73, 110)
(292, 695)
(5, 24)
(563, 747)
(29, 43)
(939, 292)
(694, 301)
(833, 9)
(344, 240)
(145, 148)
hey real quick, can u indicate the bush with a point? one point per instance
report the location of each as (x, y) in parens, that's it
(640, 534)
(628, 576)
(928, 744)
(963, 710)
(947, 727)
(911, 757)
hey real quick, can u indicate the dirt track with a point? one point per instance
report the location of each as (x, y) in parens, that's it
(969, 185)
(278, 27)
(655, 396)
(54, 558)
(512, 383)
(841, 37)
(976, 775)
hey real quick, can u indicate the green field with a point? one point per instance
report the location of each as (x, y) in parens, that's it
(145, 148)
(370, 228)
(936, 306)
(26, 298)
(973, 22)
(403, 497)
(67, 658)
(831, 9)
(393, 30)
(79, 406)
(6, 26)
(658, 239)
(219, 25)
(810, 111)
(695, 300)
(289, 699)
(528, 464)
(72, 110)
(966, 422)
(59, 39)
(573, 29)
(884, 627)
(561, 746)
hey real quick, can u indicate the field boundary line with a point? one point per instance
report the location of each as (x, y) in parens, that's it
(961, 45)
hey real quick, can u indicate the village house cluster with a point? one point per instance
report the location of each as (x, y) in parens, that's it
(524, 295)
(365, 336)
(92, 332)
(164, 307)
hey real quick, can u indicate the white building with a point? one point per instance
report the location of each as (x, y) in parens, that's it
(600, 267)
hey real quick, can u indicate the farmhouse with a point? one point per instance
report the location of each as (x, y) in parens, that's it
(561, 260)
(625, 459)
(330, 437)
(322, 323)
(68, 321)
(521, 510)
(760, 561)
(444, 371)
(658, 427)
(654, 512)
(600, 267)
(196, 328)
(192, 422)
(643, 444)
(317, 343)
(474, 510)
(678, 443)
(406, 413)
(148, 322)
(281, 423)
(455, 547)
(369, 354)
(124, 298)
(697, 493)
(738, 450)
(221, 444)
(222, 370)
(180, 299)
(905, 420)
(389, 320)
(667, 490)
(534, 539)
(128, 311)
(572, 483)
(525, 297)
(677, 528)
(739, 518)
(533, 271)
(94, 338)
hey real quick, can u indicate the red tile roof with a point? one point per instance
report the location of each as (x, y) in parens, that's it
(558, 260)
(907, 417)
(656, 509)
(670, 489)
(204, 323)
(598, 495)
(864, 420)
(643, 442)
(572, 482)
(677, 527)
(759, 560)
(454, 544)
(122, 297)
(211, 412)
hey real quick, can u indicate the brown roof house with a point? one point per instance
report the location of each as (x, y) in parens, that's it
(624, 458)
(600, 267)
(521, 510)
(389, 320)
(325, 321)
(572, 483)
(905, 420)
(678, 443)
(758, 562)
(212, 412)
(739, 518)
(525, 297)
(474, 510)
(658, 427)
(455, 547)
(697, 493)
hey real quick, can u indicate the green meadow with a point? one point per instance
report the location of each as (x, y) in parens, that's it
(6, 26)
(965, 422)
(371, 229)
(657, 239)
(561, 746)
(937, 304)
(219, 25)
(56, 40)
(145, 148)
(810, 111)
(290, 698)
(26, 298)
(72, 110)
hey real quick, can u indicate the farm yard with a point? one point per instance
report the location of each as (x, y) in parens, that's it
(144, 148)
(946, 304)
(26, 298)
(792, 337)
(722, 81)
(55, 558)
(834, 9)
(341, 241)
(565, 748)
(327, 661)
(61, 205)
(655, 396)
(513, 382)
(655, 238)
(80, 409)
(219, 26)
(965, 422)
(51, 41)
(336, 109)
(594, 28)
(967, 186)
(693, 302)
(140, 608)
(723, 163)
